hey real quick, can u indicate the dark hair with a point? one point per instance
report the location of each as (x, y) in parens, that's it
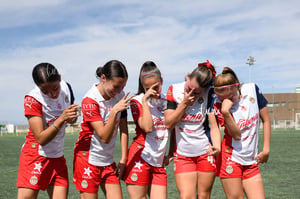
(45, 72)
(227, 77)
(148, 69)
(111, 69)
(204, 75)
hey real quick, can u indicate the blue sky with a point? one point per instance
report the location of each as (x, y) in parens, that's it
(78, 36)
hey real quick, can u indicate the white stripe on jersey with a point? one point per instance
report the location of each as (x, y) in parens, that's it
(190, 132)
(101, 154)
(52, 109)
(155, 142)
(246, 116)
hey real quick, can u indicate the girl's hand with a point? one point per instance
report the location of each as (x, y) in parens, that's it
(120, 170)
(167, 160)
(123, 103)
(70, 113)
(262, 157)
(212, 150)
(189, 98)
(151, 92)
(226, 106)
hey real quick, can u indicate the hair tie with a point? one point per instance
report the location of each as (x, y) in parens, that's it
(148, 74)
(209, 66)
(225, 86)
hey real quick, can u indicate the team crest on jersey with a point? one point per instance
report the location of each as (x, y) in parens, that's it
(33, 180)
(252, 100)
(59, 106)
(134, 177)
(200, 100)
(33, 145)
(67, 99)
(227, 150)
(243, 108)
(84, 184)
(229, 169)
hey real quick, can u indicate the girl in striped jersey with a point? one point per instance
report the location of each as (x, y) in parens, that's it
(145, 172)
(187, 112)
(48, 107)
(104, 110)
(239, 108)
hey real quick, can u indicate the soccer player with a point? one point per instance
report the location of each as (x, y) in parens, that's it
(104, 110)
(187, 111)
(145, 172)
(48, 107)
(239, 108)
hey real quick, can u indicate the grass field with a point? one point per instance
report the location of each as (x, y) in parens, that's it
(281, 175)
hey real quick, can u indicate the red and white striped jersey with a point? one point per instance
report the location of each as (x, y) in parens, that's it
(38, 104)
(95, 108)
(155, 143)
(246, 115)
(192, 137)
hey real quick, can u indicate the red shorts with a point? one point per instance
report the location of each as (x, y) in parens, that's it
(39, 172)
(139, 172)
(88, 177)
(202, 163)
(226, 168)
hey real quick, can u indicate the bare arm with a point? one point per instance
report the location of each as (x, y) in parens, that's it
(173, 117)
(215, 135)
(105, 131)
(44, 136)
(264, 155)
(230, 124)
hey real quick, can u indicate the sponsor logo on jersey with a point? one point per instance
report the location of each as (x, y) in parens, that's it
(87, 173)
(37, 168)
(252, 100)
(229, 169)
(84, 184)
(67, 99)
(33, 180)
(134, 177)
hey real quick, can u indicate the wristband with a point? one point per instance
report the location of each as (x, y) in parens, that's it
(55, 126)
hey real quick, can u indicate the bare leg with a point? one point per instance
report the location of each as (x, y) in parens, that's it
(205, 184)
(137, 191)
(86, 195)
(26, 193)
(158, 191)
(112, 191)
(233, 188)
(186, 184)
(254, 187)
(57, 192)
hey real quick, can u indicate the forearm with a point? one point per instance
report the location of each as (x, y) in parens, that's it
(173, 117)
(146, 122)
(214, 131)
(232, 127)
(106, 132)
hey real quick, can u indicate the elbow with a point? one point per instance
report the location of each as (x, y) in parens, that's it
(237, 137)
(42, 142)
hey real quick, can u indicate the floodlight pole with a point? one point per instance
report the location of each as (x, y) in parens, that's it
(250, 62)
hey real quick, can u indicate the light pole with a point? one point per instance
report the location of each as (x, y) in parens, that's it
(250, 62)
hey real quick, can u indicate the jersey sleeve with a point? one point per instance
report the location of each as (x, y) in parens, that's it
(32, 107)
(211, 98)
(136, 109)
(90, 110)
(261, 100)
(171, 104)
(217, 109)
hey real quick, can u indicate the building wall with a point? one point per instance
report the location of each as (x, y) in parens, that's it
(283, 106)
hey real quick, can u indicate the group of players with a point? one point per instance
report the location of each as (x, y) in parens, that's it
(188, 117)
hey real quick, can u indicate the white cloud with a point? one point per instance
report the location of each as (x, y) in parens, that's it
(175, 35)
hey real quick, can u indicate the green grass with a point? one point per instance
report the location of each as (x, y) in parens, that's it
(281, 175)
